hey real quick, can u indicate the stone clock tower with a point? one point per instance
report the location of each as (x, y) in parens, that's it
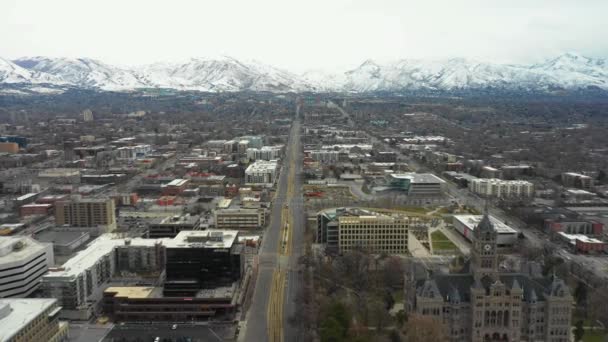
(484, 256)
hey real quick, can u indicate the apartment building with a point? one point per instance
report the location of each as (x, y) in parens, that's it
(493, 187)
(78, 284)
(23, 262)
(133, 152)
(96, 212)
(31, 320)
(265, 153)
(323, 156)
(577, 180)
(262, 172)
(240, 218)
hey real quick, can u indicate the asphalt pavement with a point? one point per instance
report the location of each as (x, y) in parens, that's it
(256, 325)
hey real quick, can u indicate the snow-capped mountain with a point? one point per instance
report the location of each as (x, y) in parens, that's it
(13, 73)
(568, 71)
(220, 74)
(84, 72)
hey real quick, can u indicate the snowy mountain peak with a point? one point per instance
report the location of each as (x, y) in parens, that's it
(226, 73)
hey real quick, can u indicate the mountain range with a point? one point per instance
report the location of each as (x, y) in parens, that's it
(567, 71)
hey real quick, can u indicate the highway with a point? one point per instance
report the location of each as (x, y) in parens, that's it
(278, 279)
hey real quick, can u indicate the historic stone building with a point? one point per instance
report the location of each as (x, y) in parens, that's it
(482, 304)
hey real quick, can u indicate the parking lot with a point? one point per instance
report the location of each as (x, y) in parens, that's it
(165, 333)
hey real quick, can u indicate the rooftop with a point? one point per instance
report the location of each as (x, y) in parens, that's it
(59, 237)
(15, 248)
(16, 313)
(211, 238)
(99, 247)
(471, 221)
(418, 177)
(130, 291)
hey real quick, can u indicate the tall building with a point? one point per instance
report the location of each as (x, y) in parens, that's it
(484, 304)
(200, 259)
(23, 262)
(95, 212)
(31, 320)
(87, 115)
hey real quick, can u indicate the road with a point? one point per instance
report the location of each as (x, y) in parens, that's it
(278, 279)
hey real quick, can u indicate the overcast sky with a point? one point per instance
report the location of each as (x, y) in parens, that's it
(303, 34)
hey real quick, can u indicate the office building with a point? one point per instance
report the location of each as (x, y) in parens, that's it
(202, 259)
(465, 225)
(493, 187)
(23, 262)
(483, 304)
(87, 115)
(92, 212)
(31, 320)
(577, 180)
(415, 184)
(262, 172)
(573, 225)
(240, 218)
(170, 226)
(345, 229)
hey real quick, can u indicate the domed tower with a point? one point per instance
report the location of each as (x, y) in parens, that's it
(484, 255)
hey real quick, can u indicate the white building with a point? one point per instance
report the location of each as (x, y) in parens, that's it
(133, 152)
(324, 156)
(23, 262)
(79, 283)
(264, 153)
(465, 225)
(262, 172)
(494, 187)
(87, 115)
(31, 319)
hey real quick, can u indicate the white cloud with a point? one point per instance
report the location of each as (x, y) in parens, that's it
(302, 34)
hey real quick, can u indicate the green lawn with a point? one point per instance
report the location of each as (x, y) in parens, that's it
(441, 242)
(594, 336)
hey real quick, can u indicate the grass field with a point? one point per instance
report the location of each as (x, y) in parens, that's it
(441, 242)
(594, 336)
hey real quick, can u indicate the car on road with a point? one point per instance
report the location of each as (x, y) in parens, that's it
(174, 326)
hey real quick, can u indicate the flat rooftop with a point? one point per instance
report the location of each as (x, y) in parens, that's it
(211, 238)
(583, 238)
(418, 177)
(94, 251)
(15, 248)
(59, 237)
(471, 221)
(131, 291)
(16, 313)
